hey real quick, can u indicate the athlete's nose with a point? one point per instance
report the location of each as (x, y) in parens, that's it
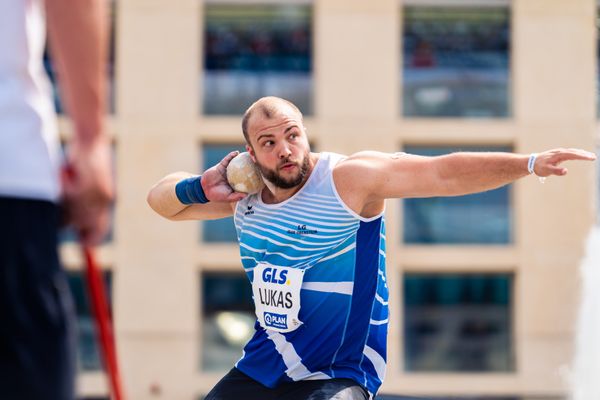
(284, 151)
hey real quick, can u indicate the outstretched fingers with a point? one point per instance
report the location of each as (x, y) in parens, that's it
(574, 154)
(550, 161)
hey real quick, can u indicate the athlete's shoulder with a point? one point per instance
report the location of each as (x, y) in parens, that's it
(356, 178)
(357, 164)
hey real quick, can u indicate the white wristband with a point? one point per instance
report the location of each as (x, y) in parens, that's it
(531, 166)
(531, 163)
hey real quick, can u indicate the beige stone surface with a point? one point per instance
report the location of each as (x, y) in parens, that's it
(158, 128)
(159, 366)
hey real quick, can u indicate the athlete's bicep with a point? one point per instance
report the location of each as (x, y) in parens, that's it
(403, 175)
(378, 176)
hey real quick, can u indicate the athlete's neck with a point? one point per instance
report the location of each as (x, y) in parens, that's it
(272, 194)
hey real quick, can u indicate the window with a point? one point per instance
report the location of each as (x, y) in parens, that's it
(458, 323)
(252, 51)
(456, 60)
(227, 319)
(218, 230)
(482, 218)
(87, 350)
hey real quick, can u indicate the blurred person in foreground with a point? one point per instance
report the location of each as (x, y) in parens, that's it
(312, 243)
(37, 336)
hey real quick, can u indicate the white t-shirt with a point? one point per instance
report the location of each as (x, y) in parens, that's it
(29, 142)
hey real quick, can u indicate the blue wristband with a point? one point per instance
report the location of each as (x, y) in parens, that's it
(189, 191)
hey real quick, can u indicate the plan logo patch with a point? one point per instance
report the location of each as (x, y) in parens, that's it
(276, 320)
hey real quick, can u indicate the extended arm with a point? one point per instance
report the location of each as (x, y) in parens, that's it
(78, 42)
(374, 176)
(164, 200)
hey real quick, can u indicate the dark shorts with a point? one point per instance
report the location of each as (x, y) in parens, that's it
(236, 385)
(37, 338)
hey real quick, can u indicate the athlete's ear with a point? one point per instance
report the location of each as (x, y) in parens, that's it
(250, 151)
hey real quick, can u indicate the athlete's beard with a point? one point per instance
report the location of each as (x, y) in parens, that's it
(286, 183)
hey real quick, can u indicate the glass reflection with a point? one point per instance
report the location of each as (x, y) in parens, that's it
(482, 218)
(458, 323)
(227, 321)
(87, 349)
(456, 61)
(252, 51)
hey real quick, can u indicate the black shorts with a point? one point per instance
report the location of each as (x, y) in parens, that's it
(236, 385)
(37, 338)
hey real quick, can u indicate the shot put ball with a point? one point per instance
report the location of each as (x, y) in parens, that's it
(243, 175)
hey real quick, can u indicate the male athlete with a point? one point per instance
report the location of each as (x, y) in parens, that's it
(313, 245)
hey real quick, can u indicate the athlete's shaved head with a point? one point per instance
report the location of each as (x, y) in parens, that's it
(267, 107)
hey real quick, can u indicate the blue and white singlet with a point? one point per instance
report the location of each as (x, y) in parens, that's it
(318, 276)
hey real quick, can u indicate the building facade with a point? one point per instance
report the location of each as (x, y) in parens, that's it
(484, 289)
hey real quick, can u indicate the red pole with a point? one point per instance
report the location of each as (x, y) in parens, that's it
(103, 323)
